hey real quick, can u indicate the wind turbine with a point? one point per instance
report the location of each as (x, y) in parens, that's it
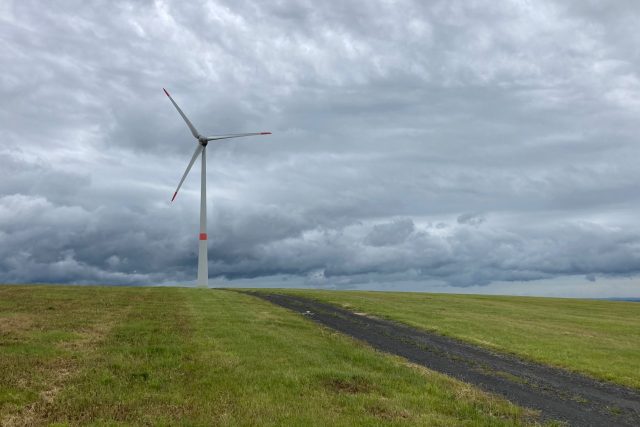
(203, 267)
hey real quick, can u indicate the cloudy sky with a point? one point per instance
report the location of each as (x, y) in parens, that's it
(459, 146)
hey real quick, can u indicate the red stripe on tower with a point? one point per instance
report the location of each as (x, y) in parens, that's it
(203, 236)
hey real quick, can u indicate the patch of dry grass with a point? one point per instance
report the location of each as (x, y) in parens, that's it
(47, 335)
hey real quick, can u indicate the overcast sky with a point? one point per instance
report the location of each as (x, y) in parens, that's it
(470, 145)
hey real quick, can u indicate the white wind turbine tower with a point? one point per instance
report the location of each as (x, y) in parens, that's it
(203, 267)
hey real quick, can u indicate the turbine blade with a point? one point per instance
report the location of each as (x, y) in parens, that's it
(193, 129)
(235, 135)
(199, 149)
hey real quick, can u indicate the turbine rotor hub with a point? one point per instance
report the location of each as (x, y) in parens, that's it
(203, 141)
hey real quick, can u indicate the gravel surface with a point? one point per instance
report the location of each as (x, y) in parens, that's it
(558, 394)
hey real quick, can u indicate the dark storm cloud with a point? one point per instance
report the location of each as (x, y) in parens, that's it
(456, 142)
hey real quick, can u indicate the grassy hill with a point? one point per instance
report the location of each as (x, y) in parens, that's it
(167, 356)
(598, 338)
(170, 356)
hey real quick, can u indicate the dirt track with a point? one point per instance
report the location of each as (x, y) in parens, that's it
(558, 394)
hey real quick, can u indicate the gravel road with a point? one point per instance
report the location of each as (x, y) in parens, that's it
(558, 394)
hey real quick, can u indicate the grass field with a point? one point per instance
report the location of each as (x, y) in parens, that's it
(170, 356)
(599, 338)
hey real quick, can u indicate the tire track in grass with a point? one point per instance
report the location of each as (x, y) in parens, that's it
(137, 375)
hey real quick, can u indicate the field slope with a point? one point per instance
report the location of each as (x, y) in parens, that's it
(597, 338)
(170, 356)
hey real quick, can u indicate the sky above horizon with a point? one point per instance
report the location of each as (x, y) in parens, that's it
(465, 145)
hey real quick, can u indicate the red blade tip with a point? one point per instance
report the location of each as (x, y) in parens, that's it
(174, 196)
(165, 91)
(265, 133)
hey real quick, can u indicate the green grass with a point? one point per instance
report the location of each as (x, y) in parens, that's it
(598, 338)
(170, 356)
